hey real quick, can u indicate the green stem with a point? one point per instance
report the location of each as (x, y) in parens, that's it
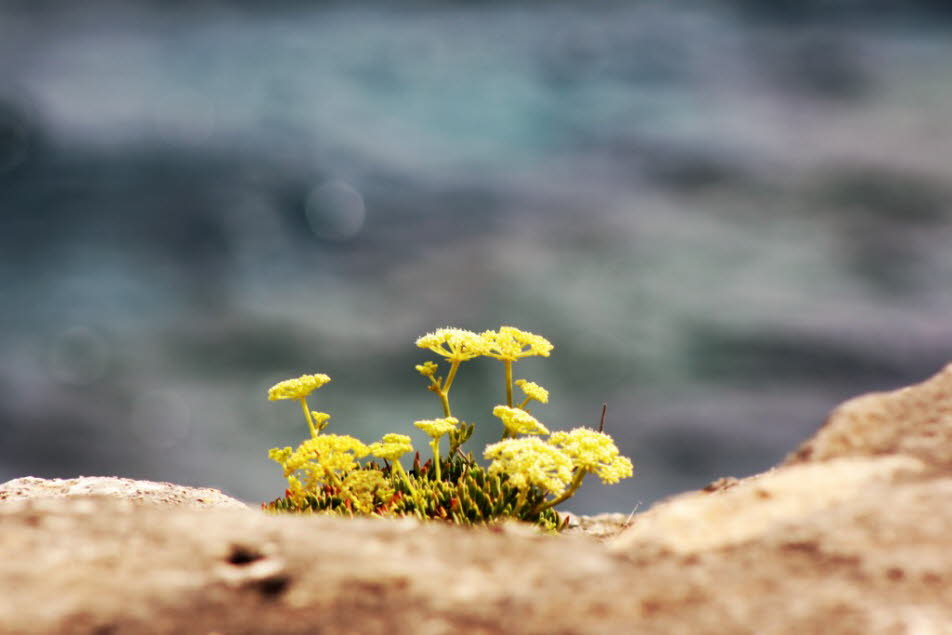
(307, 415)
(508, 364)
(567, 494)
(444, 390)
(403, 475)
(520, 500)
(332, 477)
(435, 444)
(524, 403)
(454, 366)
(445, 399)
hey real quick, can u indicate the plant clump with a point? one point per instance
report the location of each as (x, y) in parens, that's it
(527, 476)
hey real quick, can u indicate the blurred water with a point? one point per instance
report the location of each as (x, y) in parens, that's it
(725, 224)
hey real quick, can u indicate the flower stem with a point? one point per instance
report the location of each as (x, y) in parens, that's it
(567, 494)
(454, 366)
(395, 465)
(520, 501)
(307, 415)
(435, 444)
(444, 390)
(508, 364)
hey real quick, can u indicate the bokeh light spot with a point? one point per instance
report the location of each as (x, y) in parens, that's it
(335, 211)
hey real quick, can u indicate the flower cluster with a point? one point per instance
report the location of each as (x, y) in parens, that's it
(533, 390)
(510, 344)
(593, 452)
(456, 345)
(321, 459)
(391, 447)
(518, 421)
(436, 428)
(527, 476)
(530, 462)
(298, 388)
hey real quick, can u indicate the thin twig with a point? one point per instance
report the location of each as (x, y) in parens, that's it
(601, 424)
(631, 515)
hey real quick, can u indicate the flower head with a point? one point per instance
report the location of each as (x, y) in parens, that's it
(280, 455)
(391, 447)
(361, 486)
(510, 344)
(530, 461)
(593, 452)
(297, 388)
(456, 345)
(518, 421)
(427, 369)
(436, 428)
(322, 455)
(533, 390)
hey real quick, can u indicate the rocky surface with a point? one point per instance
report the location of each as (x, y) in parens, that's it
(849, 535)
(122, 488)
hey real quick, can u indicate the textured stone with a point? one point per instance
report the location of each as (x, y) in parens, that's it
(915, 421)
(850, 535)
(30, 487)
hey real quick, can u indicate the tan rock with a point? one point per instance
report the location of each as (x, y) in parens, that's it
(916, 421)
(755, 506)
(30, 487)
(850, 535)
(99, 564)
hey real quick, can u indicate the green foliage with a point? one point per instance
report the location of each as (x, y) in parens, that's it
(527, 478)
(467, 495)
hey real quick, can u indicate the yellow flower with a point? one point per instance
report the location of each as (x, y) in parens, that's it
(427, 369)
(518, 421)
(530, 461)
(361, 486)
(436, 428)
(296, 490)
(533, 390)
(510, 344)
(280, 455)
(297, 388)
(594, 452)
(323, 457)
(391, 447)
(456, 345)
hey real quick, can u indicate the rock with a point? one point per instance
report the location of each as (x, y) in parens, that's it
(127, 489)
(761, 504)
(849, 535)
(106, 565)
(914, 421)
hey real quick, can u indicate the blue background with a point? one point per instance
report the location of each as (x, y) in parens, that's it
(726, 218)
